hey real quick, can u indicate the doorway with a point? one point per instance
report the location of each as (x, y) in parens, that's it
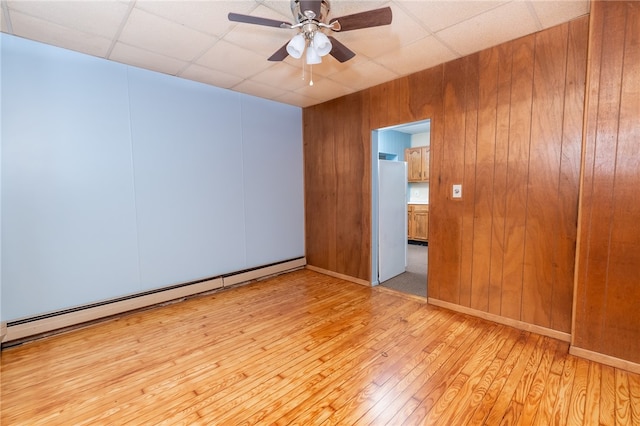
(402, 143)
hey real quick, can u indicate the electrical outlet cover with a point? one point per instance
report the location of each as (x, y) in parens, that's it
(456, 191)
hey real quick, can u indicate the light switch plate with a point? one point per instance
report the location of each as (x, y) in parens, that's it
(456, 191)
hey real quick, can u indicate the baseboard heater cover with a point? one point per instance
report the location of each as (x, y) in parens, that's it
(50, 322)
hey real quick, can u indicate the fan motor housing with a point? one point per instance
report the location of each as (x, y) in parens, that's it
(306, 15)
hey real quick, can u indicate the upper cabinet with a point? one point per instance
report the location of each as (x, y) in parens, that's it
(418, 163)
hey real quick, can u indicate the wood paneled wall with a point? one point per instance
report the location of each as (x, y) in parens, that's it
(507, 124)
(512, 122)
(337, 146)
(607, 318)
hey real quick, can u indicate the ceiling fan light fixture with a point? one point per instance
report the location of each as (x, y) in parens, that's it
(312, 56)
(311, 18)
(321, 44)
(295, 48)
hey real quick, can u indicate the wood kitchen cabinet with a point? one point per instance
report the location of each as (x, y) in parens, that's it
(418, 222)
(417, 163)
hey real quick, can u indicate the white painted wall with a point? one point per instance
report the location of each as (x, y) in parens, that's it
(117, 180)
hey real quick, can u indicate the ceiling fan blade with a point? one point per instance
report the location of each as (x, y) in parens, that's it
(311, 5)
(339, 51)
(279, 54)
(371, 18)
(248, 19)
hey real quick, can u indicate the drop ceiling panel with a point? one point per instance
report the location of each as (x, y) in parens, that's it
(101, 18)
(245, 63)
(194, 39)
(422, 54)
(144, 59)
(57, 35)
(437, 15)
(257, 89)
(159, 35)
(557, 12)
(505, 22)
(209, 76)
(203, 16)
(283, 75)
(294, 98)
(363, 75)
(322, 86)
(373, 42)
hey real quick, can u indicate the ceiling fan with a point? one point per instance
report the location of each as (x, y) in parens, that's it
(311, 18)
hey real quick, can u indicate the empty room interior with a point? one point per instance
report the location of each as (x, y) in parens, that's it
(320, 212)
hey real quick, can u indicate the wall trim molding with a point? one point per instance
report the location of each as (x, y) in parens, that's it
(263, 273)
(26, 328)
(521, 325)
(605, 359)
(338, 275)
(3, 330)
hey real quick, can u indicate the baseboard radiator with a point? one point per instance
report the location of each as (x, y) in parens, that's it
(25, 329)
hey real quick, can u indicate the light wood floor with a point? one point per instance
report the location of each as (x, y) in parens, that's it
(309, 349)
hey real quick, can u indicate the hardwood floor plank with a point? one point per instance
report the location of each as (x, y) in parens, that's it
(634, 388)
(607, 396)
(351, 405)
(223, 400)
(578, 393)
(561, 407)
(305, 348)
(503, 400)
(428, 392)
(329, 357)
(546, 413)
(491, 395)
(534, 397)
(594, 383)
(387, 380)
(464, 415)
(360, 377)
(623, 402)
(455, 397)
(218, 352)
(400, 398)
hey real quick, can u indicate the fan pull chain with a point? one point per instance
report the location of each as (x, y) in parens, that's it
(310, 75)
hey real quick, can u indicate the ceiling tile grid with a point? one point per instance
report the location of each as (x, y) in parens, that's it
(193, 39)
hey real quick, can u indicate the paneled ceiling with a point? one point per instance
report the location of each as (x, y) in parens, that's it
(193, 39)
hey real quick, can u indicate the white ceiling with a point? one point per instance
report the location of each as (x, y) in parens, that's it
(193, 39)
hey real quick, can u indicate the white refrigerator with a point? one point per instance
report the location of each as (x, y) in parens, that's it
(392, 219)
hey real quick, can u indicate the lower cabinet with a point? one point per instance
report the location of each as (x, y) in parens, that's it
(418, 222)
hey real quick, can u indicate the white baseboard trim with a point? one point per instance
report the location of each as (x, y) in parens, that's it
(265, 272)
(25, 329)
(605, 359)
(338, 275)
(521, 325)
(32, 328)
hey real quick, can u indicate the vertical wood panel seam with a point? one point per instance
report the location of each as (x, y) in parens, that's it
(562, 141)
(465, 102)
(493, 183)
(504, 224)
(586, 118)
(613, 185)
(585, 113)
(526, 199)
(443, 119)
(475, 118)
